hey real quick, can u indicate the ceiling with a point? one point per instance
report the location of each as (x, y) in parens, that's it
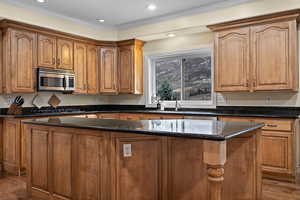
(119, 13)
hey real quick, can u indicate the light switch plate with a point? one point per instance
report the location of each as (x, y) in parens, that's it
(127, 151)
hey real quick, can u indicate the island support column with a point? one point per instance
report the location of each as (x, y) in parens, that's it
(215, 158)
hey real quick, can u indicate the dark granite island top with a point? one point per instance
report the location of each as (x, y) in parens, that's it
(198, 129)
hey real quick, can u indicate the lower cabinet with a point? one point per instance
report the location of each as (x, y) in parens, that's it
(68, 163)
(12, 143)
(138, 165)
(278, 141)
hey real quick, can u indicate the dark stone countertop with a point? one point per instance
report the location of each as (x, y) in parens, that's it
(198, 129)
(271, 112)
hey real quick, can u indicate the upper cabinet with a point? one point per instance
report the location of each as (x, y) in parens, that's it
(274, 56)
(232, 60)
(47, 51)
(92, 70)
(100, 67)
(19, 59)
(257, 54)
(80, 67)
(56, 53)
(130, 66)
(108, 70)
(65, 54)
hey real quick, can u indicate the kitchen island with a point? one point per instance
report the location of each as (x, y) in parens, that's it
(89, 159)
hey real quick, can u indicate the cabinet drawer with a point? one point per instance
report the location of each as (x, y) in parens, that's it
(276, 124)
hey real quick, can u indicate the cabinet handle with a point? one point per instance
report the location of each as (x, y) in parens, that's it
(58, 61)
(247, 83)
(53, 61)
(272, 125)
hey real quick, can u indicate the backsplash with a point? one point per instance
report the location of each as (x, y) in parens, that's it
(66, 99)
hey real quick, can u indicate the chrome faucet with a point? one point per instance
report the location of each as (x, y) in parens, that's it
(176, 105)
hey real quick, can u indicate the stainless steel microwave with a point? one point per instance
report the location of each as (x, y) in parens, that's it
(56, 80)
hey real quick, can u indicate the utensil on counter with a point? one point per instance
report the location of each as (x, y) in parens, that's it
(54, 101)
(16, 107)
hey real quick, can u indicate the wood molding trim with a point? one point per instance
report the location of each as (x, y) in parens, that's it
(6, 23)
(274, 17)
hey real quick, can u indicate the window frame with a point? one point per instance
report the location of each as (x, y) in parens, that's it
(150, 81)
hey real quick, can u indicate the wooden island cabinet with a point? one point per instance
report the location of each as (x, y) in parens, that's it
(278, 146)
(77, 163)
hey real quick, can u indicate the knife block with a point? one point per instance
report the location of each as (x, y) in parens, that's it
(14, 109)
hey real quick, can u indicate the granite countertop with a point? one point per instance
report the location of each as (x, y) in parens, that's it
(198, 129)
(271, 112)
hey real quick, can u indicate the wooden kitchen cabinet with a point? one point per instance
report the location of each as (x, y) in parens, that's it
(257, 54)
(80, 68)
(274, 56)
(131, 116)
(65, 54)
(77, 160)
(141, 169)
(108, 70)
(277, 146)
(12, 146)
(109, 116)
(92, 70)
(277, 152)
(46, 51)
(130, 67)
(56, 53)
(232, 60)
(19, 69)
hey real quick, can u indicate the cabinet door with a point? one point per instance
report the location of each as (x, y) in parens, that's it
(46, 51)
(12, 145)
(92, 70)
(64, 54)
(38, 159)
(138, 168)
(274, 56)
(277, 152)
(80, 62)
(61, 153)
(89, 168)
(108, 70)
(186, 155)
(126, 76)
(232, 60)
(23, 61)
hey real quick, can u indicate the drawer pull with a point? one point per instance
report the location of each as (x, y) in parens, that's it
(272, 125)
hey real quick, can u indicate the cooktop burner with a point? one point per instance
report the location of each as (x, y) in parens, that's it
(54, 110)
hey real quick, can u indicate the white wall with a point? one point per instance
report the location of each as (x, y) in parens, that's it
(198, 22)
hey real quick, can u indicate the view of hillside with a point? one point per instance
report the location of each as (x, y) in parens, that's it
(194, 83)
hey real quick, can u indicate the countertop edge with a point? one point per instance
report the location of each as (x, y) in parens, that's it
(145, 132)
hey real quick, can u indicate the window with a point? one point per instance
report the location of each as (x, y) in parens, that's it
(186, 77)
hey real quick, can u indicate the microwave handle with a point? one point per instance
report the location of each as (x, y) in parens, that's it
(65, 82)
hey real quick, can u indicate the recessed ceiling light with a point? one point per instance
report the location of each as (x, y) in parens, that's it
(171, 35)
(151, 7)
(41, 1)
(101, 20)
